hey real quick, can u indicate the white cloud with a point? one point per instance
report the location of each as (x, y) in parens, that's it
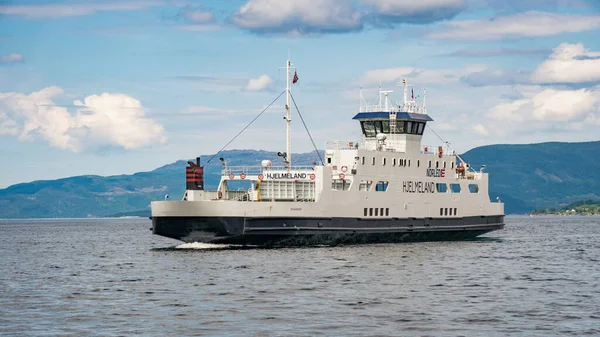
(480, 129)
(258, 84)
(197, 15)
(551, 105)
(302, 17)
(99, 120)
(54, 10)
(199, 28)
(419, 75)
(529, 24)
(298, 17)
(569, 63)
(423, 11)
(11, 58)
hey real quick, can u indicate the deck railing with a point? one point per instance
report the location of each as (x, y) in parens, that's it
(341, 145)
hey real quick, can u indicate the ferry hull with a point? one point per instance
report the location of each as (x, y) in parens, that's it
(321, 231)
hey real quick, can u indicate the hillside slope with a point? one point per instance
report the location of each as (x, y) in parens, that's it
(525, 177)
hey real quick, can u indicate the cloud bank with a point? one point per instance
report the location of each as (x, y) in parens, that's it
(569, 63)
(99, 120)
(528, 24)
(301, 17)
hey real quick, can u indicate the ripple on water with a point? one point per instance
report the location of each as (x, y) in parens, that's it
(111, 277)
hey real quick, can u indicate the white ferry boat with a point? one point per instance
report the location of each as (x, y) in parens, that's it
(387, 187)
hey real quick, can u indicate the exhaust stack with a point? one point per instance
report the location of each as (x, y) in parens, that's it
(194, 175)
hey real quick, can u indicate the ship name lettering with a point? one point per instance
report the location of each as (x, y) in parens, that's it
(418, 187)
(286, 176)
(436, 172)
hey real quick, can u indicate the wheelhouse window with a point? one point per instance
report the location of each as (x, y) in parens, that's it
(371, 128)
(473, 188)
(385, 126)
(368, 129)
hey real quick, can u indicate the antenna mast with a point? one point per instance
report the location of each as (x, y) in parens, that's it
(288, 117)
(424, 100)
(405, 93)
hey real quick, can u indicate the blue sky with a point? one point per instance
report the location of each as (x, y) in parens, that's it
(112, 87)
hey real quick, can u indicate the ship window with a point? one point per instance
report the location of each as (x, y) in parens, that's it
(376, 211)
(399, 127)
(381, 186)
(418, 163)
(415, 128)
(368, 129)
(363, 161)
(437, 164)
(452, 165)
(409, 163)
(473, 188)
(373, 160)
(455, 211)
(394, 162)
(340, 184)
(383, 161)
(445, 211)
(430, 164)
(444, 164)
(421, 128)
(441, 187)
(386, 126)
(387, 212)
(381, 211)
(328, 160)
(378, 128)
(450, 211)
(455, 188)
(366, 212)
(370, 211)
(441, 211)
(408, 127)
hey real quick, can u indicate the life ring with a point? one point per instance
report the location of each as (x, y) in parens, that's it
(220, 194)
(342, 176)
(261, 177)
(344, 168)
(312, 176)
(243, 176)
(231, 176)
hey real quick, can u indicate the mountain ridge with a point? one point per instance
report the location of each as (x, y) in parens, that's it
(523, 176)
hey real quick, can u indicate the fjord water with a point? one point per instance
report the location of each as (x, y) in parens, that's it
(110, 277)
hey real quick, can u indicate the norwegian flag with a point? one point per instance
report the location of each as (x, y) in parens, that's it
(412, 93)
(295, 77)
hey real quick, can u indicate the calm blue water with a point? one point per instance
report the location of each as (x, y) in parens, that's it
(538, 277)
